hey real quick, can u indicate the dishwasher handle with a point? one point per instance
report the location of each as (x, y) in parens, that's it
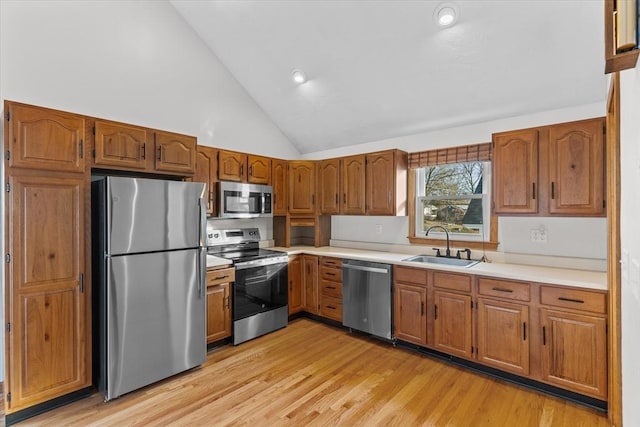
(364, 268)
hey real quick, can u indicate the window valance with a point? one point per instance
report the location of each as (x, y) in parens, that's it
(465, 153)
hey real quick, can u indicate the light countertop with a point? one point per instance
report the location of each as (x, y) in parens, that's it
(214, 261)
(595, 280)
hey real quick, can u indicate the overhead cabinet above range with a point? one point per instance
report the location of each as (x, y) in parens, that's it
(241, 167)
(551, 170)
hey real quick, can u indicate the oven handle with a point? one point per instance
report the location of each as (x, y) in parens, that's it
(262, 263)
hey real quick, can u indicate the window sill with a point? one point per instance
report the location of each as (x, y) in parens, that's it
(491, 246)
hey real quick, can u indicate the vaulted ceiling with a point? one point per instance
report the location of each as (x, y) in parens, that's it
(381, 69)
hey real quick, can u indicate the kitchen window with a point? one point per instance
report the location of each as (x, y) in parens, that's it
(452, 188)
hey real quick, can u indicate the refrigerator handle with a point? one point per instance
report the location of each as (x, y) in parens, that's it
(202, 221)
(202, 256)
(202, 270)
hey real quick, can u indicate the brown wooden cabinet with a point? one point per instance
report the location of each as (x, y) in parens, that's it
(296, 297)
(175, 153)
(207, 172)
(576, 168)
(310, 283)
(574, 348)
(550, 170)
(219, 284)
(386, 183)
(302, 187)
(48, 289)
(353, 180)
(44, 139)
(329, 187)
(452, 323)
(280, 184)
(515, 172)
(410, 313)
(121, 145)
(330, 288)
(242, 167)
(503, 335)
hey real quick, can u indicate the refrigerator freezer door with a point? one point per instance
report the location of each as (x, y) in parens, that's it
(145, 215)
(156, 318)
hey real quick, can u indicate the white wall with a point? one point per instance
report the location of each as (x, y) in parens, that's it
(131, 61)
(630, 243)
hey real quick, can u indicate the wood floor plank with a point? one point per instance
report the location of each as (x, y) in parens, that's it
(311, 374)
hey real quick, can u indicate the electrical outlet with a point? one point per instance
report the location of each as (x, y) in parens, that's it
(538, 235)
(379, 228)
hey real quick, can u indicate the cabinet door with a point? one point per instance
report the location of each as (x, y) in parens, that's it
(232, 166)
(302, 187)
(503, 335)
(452, 323)
(353, 185)
(48, 344)
(175, 153)
(259, 169)
(310, 274)
(280, 183)
(122, 146)
(329, 186)
(295, 284)
(44, 139)
(206, 171)
(576, 168)
(410, 313)
(515, 172)
(574, 352)
(218, 312)
(380, 185)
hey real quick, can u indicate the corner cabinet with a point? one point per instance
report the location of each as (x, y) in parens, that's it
(302, 187)
(556, 170)
(47, 274)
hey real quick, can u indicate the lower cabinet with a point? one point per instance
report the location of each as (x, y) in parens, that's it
(452, 323)
(503, 335)
(310, 283)
(295, 284)
(410, 313)
(330, 289)
(219, 303)
(574, 352)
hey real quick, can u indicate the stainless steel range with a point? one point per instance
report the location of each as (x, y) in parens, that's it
(260, 290)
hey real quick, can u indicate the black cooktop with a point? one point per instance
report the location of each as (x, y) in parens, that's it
(246, 255)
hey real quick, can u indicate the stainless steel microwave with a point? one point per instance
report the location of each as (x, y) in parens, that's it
(240, 200)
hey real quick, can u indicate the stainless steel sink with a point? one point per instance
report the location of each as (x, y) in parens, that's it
(430, 259)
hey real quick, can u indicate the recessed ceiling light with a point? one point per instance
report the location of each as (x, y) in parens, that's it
(299, 76)
(446, 15)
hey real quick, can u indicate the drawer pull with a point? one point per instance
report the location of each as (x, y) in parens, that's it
(221, 277)
(331, 287)
(579, 301)
(330, 274)
(502, 290)
(331, 307)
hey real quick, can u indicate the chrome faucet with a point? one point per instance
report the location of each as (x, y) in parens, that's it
(448, 253)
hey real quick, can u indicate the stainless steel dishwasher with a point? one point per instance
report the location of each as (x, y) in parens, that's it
(366, 297)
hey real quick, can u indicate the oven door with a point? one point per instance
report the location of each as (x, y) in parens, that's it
(258, 289)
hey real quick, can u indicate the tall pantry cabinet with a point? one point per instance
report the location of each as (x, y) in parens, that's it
(47, 277)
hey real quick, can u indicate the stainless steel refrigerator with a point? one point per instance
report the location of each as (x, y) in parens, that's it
(149, 266)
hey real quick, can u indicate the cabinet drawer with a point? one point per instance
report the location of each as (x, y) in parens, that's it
(504, 289)
(330, 288)
(574, 298)
(331, 307)
(331, 273)
(224, 275)
(411, 275)
(331, 262)
(455, 282)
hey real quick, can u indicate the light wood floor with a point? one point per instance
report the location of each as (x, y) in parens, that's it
(313, 374)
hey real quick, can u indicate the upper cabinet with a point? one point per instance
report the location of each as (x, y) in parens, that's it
(551, 170)
(329, 186)
(44, 139)
(302, 187)
(353, 185)
(515, 174)
(242, 167)
(128, 147)
(620, 35)
(576, 168)
(280, 184)
(386, 183)
(206, 171)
